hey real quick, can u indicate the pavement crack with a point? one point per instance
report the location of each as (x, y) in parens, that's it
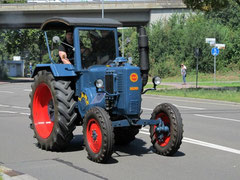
(78, 168)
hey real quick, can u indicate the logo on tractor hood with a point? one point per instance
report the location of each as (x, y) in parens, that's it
(83, 96)
(133, 77)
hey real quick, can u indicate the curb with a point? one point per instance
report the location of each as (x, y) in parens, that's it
(2, 82)
(9, 174)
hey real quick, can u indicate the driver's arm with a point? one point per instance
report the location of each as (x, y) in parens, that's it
(63, 56)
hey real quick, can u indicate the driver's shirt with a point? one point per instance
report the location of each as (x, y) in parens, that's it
(69, 51)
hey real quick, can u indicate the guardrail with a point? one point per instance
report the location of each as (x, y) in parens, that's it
(84, 1)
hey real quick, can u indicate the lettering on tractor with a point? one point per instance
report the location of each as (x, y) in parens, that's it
(99, 90)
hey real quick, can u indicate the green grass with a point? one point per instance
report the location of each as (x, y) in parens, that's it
(229, 79)
(202, 77)
(220, 84)
(1, 178)
(12, 1)
(226, 95)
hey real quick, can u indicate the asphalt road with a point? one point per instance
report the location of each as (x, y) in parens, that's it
(210, 148)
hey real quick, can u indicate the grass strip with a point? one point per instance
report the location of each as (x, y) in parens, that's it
(220, 84)
(226, 95)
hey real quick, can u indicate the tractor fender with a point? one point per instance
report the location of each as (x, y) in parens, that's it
(58, 70)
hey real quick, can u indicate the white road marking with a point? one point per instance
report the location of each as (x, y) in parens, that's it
(1, 105)
(187, 107)
(147, 109)
(9, 112)
(205, 144)
(18, 107)
(214, 146)
(27, 90)
(142, 132)
(184, 107)
(15, 107)
(9, 92)
(25, 114)
(195, 100)
(13, 112)
(144, 129)
(213, 117)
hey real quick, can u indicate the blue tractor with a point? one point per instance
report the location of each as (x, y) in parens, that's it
(100, 91)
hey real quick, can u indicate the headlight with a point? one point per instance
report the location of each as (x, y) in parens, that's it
(99, 83)
(156, 80)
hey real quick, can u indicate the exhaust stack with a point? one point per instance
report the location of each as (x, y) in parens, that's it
(143, 54)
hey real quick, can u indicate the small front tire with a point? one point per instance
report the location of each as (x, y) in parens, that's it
(171, 141)
(98, 135)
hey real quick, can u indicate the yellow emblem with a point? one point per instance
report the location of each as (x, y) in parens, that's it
(133, 77)
(83, 95)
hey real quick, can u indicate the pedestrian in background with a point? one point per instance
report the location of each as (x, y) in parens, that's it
(30, 68)
(184, 73)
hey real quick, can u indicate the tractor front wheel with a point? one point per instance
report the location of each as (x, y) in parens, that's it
(98, 135)
(168, 141)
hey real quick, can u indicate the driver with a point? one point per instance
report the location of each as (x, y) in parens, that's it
(65, 50)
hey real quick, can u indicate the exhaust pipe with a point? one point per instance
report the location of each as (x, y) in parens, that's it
(143, 54)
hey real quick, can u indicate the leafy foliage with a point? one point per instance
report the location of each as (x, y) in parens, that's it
(12, 1)
(208, 5)
(228, 16)
(173, 42)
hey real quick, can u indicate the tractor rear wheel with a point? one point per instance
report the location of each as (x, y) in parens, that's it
(98, 135)
(52, 111)
(125, 135)
(167, 143)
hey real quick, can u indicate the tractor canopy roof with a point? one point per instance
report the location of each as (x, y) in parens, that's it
(60, 23)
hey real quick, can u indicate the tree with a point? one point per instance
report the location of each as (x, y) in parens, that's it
(228, 16)
(208, 5)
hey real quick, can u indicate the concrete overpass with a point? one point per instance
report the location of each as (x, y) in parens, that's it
(130, 13)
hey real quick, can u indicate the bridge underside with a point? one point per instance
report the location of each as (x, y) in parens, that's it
(34, 19)
(128, 13)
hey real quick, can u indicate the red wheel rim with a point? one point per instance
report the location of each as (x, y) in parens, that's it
(41, 116)
(166, 121)
(94, 135)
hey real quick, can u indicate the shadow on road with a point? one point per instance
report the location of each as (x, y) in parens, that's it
(135, 148)
(76, 144)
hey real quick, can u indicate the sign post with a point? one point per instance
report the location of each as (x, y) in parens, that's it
(198, 53)
(215, 52)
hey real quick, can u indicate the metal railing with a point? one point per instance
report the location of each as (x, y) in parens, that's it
(85, 1)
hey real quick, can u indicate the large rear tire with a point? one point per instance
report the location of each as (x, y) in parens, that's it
(98, 135)
(170, 142)
(52, 110)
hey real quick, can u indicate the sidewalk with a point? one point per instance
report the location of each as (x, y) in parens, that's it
(16, 80)
(178, 85)
(9, 174)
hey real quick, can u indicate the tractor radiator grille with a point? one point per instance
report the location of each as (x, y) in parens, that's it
(120, 82)
(134, 105)
(109, 83)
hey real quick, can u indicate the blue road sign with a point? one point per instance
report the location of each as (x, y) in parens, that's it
(215, 51)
